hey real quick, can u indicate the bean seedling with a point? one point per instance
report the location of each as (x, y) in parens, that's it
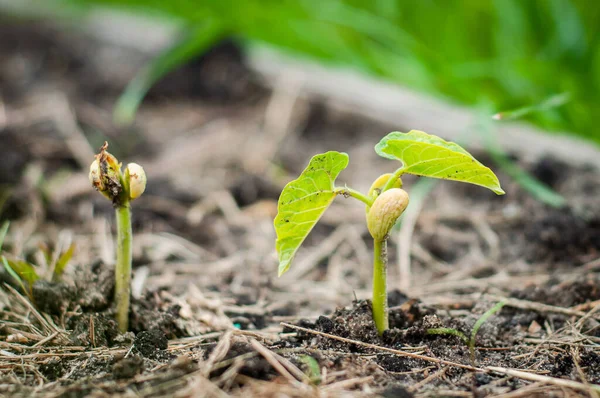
(121, 188)
(304, 200)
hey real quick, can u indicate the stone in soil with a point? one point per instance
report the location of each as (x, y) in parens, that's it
(150, 343)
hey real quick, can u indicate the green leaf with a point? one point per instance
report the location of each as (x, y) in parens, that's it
(197, 42)
(3, 232)
(45, 252)
(449, 332)
(62, 262)
(529, 183)
(25, 270)
(544, 106)
(313, 371)
(480, 322)
(303, 202)
(426, 155)
(12, 273)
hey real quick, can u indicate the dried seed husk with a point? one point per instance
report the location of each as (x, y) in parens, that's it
(105, 174)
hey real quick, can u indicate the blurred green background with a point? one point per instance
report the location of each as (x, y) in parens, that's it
(500, 54)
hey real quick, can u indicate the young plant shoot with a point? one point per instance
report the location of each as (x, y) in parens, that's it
(304, 200)
(120, 188)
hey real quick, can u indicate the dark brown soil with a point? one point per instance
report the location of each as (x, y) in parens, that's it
(207, 317)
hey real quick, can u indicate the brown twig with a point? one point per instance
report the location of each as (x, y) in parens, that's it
(591, 388)
(379, 348)
(347, 383)
(272, 359)
(428, 379)
(218, 353)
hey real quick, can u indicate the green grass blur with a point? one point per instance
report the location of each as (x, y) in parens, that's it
(502, 54)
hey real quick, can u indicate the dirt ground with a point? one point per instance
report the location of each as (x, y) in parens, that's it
(209, 316)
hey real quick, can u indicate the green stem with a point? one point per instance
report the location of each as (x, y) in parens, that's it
(345, 191)
(380, 307)
(449, 331)
(123, 267)
(480, 322)
(390, 183)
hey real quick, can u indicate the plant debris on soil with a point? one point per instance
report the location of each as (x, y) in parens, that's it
(209, 316)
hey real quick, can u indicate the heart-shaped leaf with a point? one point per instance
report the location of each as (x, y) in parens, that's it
(430, 156)
(303, 202)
